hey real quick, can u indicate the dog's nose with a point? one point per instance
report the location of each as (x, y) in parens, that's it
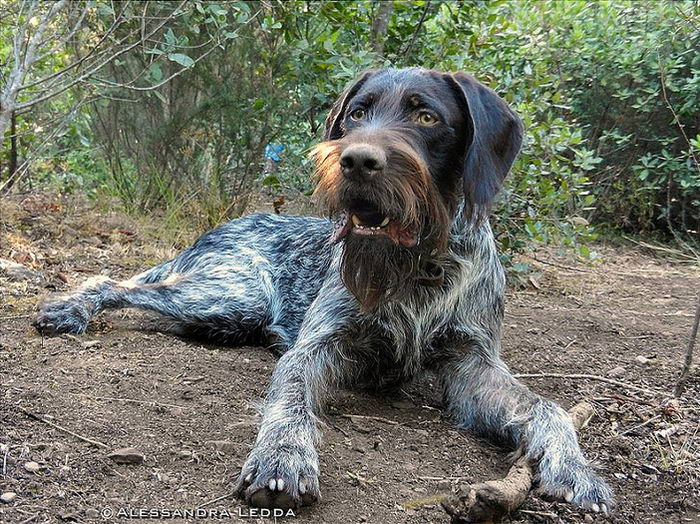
(362, 161)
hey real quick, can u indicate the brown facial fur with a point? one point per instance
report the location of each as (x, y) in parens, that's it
(375, 269)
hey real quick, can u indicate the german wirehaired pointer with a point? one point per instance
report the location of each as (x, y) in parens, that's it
(405, 278)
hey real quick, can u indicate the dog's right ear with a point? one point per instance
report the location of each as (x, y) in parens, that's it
(335, 117)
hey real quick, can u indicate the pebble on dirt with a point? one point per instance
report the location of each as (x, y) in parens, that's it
(8, 497)
(32, 467)
(127, 456)
(616, 372)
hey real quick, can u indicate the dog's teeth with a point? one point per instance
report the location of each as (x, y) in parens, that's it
(280, 484)
(356, 221)
(385, 222)
(595, 508)
(272, 484)
(302, 488)
(569, 496)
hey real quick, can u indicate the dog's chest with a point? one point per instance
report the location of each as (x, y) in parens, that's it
(413, 322)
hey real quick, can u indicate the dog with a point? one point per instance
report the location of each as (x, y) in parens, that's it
(403, 277)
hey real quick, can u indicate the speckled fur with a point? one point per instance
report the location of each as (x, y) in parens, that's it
(279, 277)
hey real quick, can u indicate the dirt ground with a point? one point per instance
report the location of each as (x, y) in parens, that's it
(186, 406)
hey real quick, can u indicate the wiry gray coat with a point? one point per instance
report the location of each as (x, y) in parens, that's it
(280, 277)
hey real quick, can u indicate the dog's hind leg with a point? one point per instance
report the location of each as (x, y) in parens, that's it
(71, 312)
(227, 304)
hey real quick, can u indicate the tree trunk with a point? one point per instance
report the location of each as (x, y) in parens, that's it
(380, 24)
(12, 168)
(5, 118)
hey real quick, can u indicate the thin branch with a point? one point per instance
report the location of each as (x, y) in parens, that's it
(176, 74)
(676, 119)
(368, 417)
(691, 152)
(560, 266)
(73, 65)
(683, 378)
(212, 501)
(61, 428)
(594, 377)
(660, 248)
(646, 422)
(160, 84)
(418, 28)
(66, 37)
(99, 66)
(36, 40)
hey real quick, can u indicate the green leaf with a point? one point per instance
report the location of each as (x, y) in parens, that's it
(271, 181)
(181, 59)
(520, 267)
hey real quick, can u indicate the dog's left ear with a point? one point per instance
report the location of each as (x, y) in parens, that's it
(335, 116)
(492, 144)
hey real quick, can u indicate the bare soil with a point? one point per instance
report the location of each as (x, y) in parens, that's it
(384, 460)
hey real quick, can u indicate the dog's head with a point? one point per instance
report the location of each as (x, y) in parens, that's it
(402, 149)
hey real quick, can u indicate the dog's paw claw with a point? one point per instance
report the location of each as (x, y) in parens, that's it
(577, 484)
(284, 477)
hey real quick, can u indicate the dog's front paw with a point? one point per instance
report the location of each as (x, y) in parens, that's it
(65, 315)
(574, 482)
(281, 475)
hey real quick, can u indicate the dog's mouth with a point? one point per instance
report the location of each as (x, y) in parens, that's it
(362, 217)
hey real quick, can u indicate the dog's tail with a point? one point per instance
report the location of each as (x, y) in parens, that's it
(155, 274)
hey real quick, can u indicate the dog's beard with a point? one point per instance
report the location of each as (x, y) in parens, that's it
(376, 270)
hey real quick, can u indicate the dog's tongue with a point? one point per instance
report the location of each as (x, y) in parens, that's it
(341, 229)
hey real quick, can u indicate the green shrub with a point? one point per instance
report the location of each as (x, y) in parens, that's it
(602, 147)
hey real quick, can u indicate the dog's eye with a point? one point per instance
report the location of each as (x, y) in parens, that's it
(427, 119)
(358, 114)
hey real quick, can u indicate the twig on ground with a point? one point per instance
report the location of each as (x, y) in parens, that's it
(623, 398)
(670, 251)
(648, 421)
(491, 500)
(540, 513)
(594, 377)
(212, 501)
(560, 266)
(367, 417)
(61, 428)
(340, 430)
(442, 478)
(685, 372)
(13, 317)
